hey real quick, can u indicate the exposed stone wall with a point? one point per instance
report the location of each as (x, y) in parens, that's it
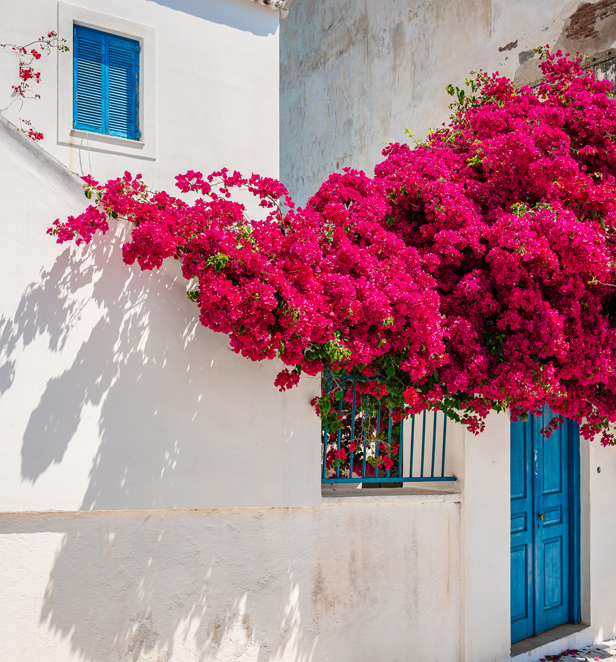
(604, 65)
(584, 23)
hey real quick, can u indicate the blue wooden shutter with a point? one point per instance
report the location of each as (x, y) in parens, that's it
(122, 63)
(106, 83)
(88, 58)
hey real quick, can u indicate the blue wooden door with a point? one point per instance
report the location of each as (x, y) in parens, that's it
(543, 526)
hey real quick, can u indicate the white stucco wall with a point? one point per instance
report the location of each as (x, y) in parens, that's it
(602, 532)
(112, 395)
(481, 466)
(356, 73)
(113, 398)
(211, 69)
(353, 580)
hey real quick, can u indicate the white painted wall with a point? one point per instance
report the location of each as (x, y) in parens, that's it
(113, 398)
(373, 579)
(602, 501)
(112, 395)
(215, 76)
(481, 466)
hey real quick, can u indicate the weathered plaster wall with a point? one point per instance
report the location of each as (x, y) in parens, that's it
(356, 73)
(357, 580)
(112, 395)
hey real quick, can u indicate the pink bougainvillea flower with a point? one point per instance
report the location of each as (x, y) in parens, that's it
(476, 271)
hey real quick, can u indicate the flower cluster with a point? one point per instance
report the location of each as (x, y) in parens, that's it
(473, 272)
(27, 73)
(30, 131)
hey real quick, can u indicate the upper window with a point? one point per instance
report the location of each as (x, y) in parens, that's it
(106, 83)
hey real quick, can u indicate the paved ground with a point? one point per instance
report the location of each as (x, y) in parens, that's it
(604, 651)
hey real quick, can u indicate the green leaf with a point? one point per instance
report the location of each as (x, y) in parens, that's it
(218, 261)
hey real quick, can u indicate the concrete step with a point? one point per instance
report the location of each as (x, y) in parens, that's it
(603, 651)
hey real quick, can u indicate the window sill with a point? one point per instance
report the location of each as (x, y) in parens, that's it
(84, 140)
(80, 133)
(396, 495)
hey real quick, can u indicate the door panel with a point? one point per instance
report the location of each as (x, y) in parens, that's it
(522, 521)
(553, 573)
(551, 500)
(552, 473)
(519, 582)
(541, 525)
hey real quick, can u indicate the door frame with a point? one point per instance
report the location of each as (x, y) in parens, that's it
(575, 516)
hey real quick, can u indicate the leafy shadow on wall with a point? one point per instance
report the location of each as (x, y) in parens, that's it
(135, 587)
(237, 15)
(120, 379)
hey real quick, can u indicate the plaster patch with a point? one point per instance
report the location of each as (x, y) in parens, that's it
(525, 56)
(509, 47)
(145, 645)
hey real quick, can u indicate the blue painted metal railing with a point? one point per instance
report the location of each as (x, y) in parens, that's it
(419, 458)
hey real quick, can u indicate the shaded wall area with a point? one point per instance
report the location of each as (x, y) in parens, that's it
(366, 579)
(112, 395)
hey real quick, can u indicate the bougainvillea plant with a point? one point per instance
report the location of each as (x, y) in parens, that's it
(27, 55)
(473, 272)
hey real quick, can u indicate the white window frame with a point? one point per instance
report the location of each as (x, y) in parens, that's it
(70, 15)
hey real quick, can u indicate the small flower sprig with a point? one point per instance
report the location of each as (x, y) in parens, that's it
(28, 55)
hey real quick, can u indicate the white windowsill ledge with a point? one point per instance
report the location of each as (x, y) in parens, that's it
(99, 142)
(80, 133)
(384, 495)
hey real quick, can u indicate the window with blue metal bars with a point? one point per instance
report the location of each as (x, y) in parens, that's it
(105, 83)
(369, 445)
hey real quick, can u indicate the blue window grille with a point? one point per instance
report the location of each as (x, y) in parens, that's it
(105, 83)
(368, 435)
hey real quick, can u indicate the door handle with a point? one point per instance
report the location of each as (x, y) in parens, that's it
(541, 515)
